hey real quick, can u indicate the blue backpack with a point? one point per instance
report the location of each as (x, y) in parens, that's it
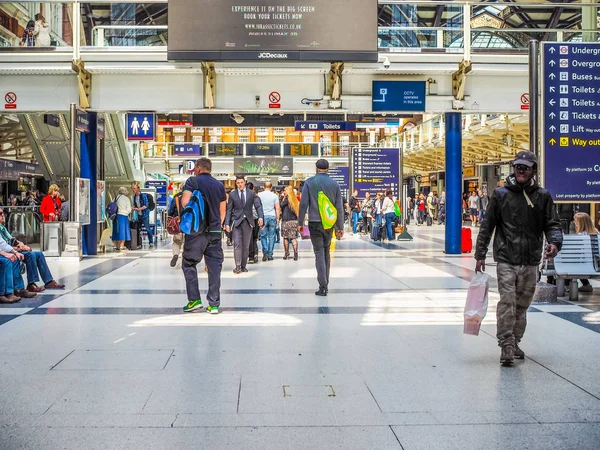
(194, 217)
(112, 209)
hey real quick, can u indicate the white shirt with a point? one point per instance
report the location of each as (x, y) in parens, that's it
(269, 200)
(123, 205)
(388, 206)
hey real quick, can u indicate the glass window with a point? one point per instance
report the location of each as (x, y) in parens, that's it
(262, 139)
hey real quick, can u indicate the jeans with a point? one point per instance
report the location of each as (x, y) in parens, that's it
(207, 245)
(389, 220)
(516, 285)
(378, 219)
(10, 278)
(145, 220)
(321, 241)
(356, 217)
(267, 237)
(421, 216)
(36, 262)
(178, 240)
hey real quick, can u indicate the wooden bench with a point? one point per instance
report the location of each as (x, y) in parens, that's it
(577, 259)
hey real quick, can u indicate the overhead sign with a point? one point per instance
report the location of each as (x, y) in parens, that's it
(12, 170)
(161, 191)
(278, 30)
(406, 96)
(325, 126)
(11, 100)
(52, 120)
(375, 170)
(141, 126)
(571, 125)
(82, 122)
(188, 150)
(266, 149)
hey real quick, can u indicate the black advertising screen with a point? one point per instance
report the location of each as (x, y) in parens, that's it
(273, 30)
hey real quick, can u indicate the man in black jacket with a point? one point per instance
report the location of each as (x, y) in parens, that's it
(520, 213)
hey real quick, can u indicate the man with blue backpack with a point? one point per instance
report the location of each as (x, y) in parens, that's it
(204, 206)
(322, 197)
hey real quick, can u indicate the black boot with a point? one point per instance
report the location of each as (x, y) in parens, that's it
(322, 292)
(286, 256)
(295, 256)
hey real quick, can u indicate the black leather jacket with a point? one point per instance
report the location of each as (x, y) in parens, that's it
(520, 224)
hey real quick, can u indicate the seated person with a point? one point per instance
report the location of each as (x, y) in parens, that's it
(34, 261)
(12, 287)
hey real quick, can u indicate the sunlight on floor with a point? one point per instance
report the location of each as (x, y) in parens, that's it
(226, 319)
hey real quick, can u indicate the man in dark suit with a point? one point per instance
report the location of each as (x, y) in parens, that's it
(240, 220)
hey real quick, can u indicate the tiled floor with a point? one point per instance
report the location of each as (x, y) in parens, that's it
(381, 363)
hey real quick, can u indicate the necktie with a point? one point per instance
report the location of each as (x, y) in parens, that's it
(243, 198)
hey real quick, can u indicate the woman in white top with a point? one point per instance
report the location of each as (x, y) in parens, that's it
(389, 214)
(121, 231)
(585, 226)
(41, 32)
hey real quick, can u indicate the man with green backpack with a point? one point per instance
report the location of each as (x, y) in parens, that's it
(322, 197)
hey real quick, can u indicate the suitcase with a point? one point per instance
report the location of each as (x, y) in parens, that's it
(376, 232)
(466, 240)
(430, 221)
(136, 237)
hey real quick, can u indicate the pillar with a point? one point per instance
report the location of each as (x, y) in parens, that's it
(589, 21)
(453, 182)
(88, 158)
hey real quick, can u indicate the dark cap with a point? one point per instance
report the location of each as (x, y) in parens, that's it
(323, 164)
(526, 158)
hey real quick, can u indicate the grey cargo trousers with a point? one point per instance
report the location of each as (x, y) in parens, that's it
(516, 285)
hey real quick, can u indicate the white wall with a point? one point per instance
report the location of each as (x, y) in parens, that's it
(39, 92)
(147, 92)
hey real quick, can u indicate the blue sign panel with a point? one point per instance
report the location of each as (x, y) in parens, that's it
(141, 126)
(341, 175)
(161, 191)
(82, 123)
(325, 126)
(375, 170)
(399, 96)
(571, 123)
(188, 150)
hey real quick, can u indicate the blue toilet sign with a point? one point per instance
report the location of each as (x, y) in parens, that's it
(141, 126)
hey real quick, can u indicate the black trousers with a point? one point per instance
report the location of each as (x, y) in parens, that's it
(253, 250)
(242, 235)
(321, 241)
(207, 246)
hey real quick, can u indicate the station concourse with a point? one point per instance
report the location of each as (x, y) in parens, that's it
(108, 109)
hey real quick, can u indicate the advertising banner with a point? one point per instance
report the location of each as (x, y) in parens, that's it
(83, 204)
(375, 170)
(571, 121)
(268, 165)
(101, 201)
(274, 30)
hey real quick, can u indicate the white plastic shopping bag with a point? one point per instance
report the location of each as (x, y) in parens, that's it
(477, 303)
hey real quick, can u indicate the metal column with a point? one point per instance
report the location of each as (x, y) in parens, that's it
(534, 97)
(88, 156)
(72, 144)
(453, 183)
(403, 193)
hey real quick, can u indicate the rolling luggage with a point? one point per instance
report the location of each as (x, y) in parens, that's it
(136, 236)
(376, 232)
(466, 240)
(430, 221)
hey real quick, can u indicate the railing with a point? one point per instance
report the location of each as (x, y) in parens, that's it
(407, 26)
(188, 151)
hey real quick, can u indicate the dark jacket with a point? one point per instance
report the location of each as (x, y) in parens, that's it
(237, 212)
(310, 201)
(519, 227)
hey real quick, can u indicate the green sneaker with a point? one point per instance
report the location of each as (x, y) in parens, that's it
(212, 310)
(193, 306)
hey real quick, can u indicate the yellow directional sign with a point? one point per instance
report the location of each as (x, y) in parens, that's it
(564, 141)
(552, 141)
